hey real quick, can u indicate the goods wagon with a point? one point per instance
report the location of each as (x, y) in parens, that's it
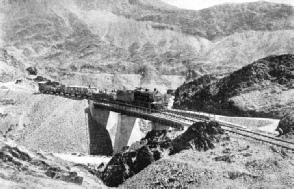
(108, 96)
(69, 90)
(42, 86)
(59, 89)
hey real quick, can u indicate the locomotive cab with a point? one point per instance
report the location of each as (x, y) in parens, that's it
(148, 99)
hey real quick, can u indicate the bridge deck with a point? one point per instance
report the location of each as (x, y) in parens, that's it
(144, 113)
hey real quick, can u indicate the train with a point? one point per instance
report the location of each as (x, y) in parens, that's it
(60, 89)
(141, 97)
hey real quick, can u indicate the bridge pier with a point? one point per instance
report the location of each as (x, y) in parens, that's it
(123, 130)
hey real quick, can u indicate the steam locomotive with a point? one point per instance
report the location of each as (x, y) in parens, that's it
(139, 97)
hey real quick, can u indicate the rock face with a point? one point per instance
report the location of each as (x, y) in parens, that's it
(199, 136)
(264, 88)
(18, 160)
(124, 165)
(286, 124)
(184, 94)
(118, 169)
(156, 144)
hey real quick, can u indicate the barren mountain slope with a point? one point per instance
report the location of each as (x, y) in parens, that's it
(45, 122)
(122, 36)
(236, 163)
(10, 67)
(21, 168)
(226, 19)
(56, 35)
(233, 52)
(263, 88)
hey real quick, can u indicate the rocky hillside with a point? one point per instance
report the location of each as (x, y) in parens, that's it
(226, 19)
(264, 88)
(21, 168)
(11, 68)
(76, 38)
(235, 163)
(156, 145)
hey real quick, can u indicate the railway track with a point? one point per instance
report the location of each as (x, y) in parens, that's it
(260, 137)
(159, 114)
(266, 138)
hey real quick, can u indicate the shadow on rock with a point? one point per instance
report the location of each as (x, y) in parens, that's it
(156, 144)
(199, 136)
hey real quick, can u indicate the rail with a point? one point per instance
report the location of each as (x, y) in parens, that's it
(271, 139)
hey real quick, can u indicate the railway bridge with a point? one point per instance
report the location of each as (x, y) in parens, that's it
(113, 125)
(127, 123)
(124, 129)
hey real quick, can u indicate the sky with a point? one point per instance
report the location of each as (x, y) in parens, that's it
(201, 4)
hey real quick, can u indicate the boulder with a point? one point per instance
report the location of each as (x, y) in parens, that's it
(32, 70)
(199, 136)
(119, 168)
(125, 164)
(144, 158)
(225, 158)
(16, 153)
(59, 174)
(286, 125)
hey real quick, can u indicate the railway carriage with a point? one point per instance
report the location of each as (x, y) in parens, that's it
(107, 96)
(81, 91)
(70, 91)
(60, 89)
